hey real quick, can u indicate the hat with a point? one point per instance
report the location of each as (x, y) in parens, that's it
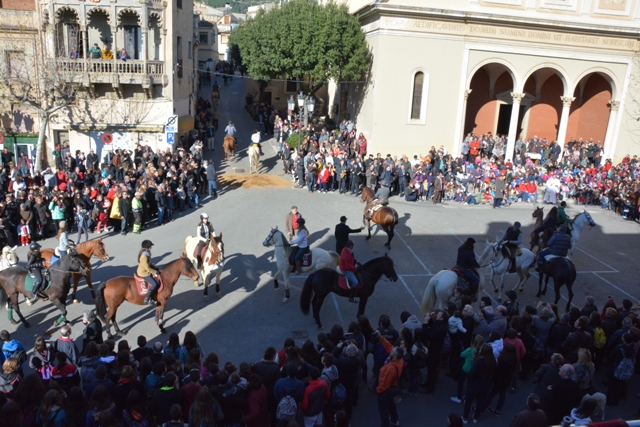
(146, 244)
(301, 221)
(471, 240)
(343, 218)
(512, 295)
(486, 300)
(517, 224)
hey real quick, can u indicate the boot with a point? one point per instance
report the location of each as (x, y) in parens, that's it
(297, 268)
(352, 295)
(148, 300)
(512, 266)
(34, 293)
(198, 263)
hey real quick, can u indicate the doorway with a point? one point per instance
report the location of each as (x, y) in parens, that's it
(504, 118)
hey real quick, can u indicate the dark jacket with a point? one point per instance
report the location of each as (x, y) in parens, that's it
(342, 235)
(564, 396)
(289, 387)
(544, 377)
(559, 244)
(466, 259)
(69, 348)
(92, 332)
(161, 401)
(269, 372)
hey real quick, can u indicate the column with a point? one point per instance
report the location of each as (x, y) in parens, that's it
(144, 52)
(608, 138)
(114, 47)
(564, 121)
(85, 48)
(513, 124)
(457, 145)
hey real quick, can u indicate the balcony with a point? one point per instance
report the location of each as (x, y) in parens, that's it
(131, 71)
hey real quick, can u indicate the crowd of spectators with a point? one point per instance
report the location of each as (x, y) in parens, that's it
(490, 352)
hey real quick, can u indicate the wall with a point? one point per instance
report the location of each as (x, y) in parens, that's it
(18, 4)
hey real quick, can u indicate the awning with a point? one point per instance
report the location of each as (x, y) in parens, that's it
(117, 126)
(185, 124)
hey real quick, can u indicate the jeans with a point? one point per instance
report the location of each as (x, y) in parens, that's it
(24, 171)
(543, 253)
(213, 188)
(169, 208)
(313, 421)
(86, 234)
(323, 186)
(125, 225)
(300, 253)
(387, 410)
(160, 215)
(311, 182)
(471, 275)
(351, 278)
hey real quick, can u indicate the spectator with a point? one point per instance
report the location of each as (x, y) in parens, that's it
(65, 374)
(65, 345)
(532, 416)
(51, 413)
(620, 369)
(205, 410)
(162, 400)
(563, 397)
(99, 380)
(257, 407)
(92, 330)
(389, 382)
(142, 351)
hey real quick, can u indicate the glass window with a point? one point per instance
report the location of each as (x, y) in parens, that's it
(204, 39)
(292, 86)
(416, 103)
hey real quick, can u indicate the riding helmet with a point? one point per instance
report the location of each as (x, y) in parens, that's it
(34, 246)
(146, 244)
(204, 216)
(301, 221)
(517, 224)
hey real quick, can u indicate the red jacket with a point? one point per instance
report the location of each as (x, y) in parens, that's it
(257, 411)
(314, 385)
(347, 260)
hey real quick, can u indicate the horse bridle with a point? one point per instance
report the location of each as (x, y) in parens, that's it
(495, 251)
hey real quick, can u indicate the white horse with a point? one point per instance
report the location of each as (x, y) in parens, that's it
(443, 285)
(212, 262)
(577, 224)
(499, 265)
(9, 258)
(282, 248)
(254, 158)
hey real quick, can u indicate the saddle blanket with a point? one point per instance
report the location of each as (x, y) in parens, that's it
(463, 284)
(342, 282)
(305, 262)
(54, 259)
(550, 257)
(204, 254)
(29, 280)
(143, 287)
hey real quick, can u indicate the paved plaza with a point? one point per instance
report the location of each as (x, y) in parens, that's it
(251, 316)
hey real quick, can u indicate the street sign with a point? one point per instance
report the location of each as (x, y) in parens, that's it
(170, 138)
(172, 124)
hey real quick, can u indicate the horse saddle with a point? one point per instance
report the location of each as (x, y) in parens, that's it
(143, 286)
(464, 287)
(29, 280)
(550, 257)
(202, 252)
(342, 282)
(306, 260)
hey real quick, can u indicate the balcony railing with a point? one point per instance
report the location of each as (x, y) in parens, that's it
(102, 67)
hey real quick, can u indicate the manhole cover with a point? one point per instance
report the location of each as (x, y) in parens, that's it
(300, 335)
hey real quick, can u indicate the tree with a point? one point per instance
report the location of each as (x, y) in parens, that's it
(303, 40)
(38, 81)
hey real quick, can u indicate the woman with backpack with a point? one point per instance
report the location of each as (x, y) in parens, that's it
(51, 413)
(584, 371)
(621, 369)
(468, 356)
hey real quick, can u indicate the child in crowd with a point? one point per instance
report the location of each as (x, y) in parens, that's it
(25, 233)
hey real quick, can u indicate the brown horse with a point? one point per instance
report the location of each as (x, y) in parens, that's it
(123, 288)
(386, 217)
(86, 250)
(537, 215)
(229, 146)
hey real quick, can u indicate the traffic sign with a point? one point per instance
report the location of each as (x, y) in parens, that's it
(170, 138)
(107, 138)
(1, 138)
(172, 124)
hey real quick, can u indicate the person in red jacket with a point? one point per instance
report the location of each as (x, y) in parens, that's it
(316, 394)
(348, 266)
(257, 411)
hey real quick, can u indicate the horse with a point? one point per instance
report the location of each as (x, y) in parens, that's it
(8, 258)
(577, 224)
(212, 261)
(386, 216)
(324, 281)
(229, 146)
(282, 249)
(115, 291)
(538, 216)
(12, 284)
(443, 285)
(254, 158)
(563, 272)
(86, 250)
(499, 265)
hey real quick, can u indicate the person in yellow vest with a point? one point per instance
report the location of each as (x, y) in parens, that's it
(106, 53)
(148, 271)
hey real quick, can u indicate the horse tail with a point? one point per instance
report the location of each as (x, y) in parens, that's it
(101, 304)
(4, 298)
(429, 297)
(336, 258)
(395, 216)
(305, 296)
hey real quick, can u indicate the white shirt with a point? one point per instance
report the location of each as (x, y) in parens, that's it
(230, 130)
(255, 138)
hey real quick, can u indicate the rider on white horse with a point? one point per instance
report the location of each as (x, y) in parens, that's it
(467, 263)
(303, 245)
(511, 240)
(255, 140)
(204, 232)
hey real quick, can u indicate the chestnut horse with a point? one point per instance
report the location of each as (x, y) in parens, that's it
(229, 146)
(86, 250)
(386, 217)
(538, 216)
(115, 291)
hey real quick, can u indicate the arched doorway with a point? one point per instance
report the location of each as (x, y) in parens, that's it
(489, 103)
(589, 114)
(545, 87)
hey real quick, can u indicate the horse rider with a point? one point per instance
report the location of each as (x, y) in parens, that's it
(342, 233)
(303, 245)
(204, 232)
(383, 192)
(35, 266)
(290, 222)
(550, 223)
(563, 219)
(147, 271)
(559, 244)
(511, 240)
(63, 238)
(255, 140)
(348, 267)
(230, 130)
(467, 263)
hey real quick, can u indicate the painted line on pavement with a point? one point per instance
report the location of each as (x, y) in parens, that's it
(410, 292)
(335, 303)
(613, 270)
(606, 281)
(414, 254)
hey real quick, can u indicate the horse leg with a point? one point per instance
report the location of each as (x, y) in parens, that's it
(76, 280)
(207, 280)
(276, 285)
(390, 234)
(368, 225)
(87, 279)
(218, 274)
(13, 303)
(539, 285)
(317, 305)
(160, 317)
(546, 283)
(570, 295)
(60, 305)
(287, 284)
(362, 306)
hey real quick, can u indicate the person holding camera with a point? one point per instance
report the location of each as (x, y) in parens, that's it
(389, 382)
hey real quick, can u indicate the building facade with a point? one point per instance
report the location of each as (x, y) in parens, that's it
(555, 69)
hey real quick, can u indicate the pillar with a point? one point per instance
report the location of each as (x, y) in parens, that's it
(608, 138)
(564, 121)
(114, 48)
(513, 124)
(461, 135)
(85, 48)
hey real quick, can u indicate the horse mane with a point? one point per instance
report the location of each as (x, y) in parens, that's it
(174, 262)
(371, 261)
(285, 243)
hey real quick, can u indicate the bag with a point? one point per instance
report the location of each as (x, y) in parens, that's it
(446, 345)
(21, 355)
(599, 338)
(338, 394)
(287, 409)
(624, 370)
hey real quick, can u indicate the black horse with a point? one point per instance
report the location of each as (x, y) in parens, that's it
(324, 281)
(563, 272)
(12, 284)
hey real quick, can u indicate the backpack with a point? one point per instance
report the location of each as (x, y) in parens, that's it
(21, 355)
(599, 338)
(287, 408)
(625, 369)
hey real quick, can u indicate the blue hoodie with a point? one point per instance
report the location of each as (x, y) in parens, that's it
(10, 347)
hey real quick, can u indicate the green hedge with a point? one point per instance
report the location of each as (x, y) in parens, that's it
(294, 140)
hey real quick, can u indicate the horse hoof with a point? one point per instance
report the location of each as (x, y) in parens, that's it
(27, 324)
(122, 334)
(495, 290)
(75, 301)
(29, 303)
(285, 299)
(521, 289)
(163, 330)
(206, 297)
(109, 336)
(219, 295)
(276, 289)
(320, 327)
(14, 323)
(196, 284)
(544, 292)
(499, 299)
(56, 324)
(538, 295)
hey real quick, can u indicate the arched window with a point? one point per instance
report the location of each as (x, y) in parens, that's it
(416, 101)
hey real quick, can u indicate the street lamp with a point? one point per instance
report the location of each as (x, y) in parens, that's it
(291, 104)
(311, 104)
(301, 99)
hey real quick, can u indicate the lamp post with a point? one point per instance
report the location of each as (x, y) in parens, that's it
(311, 105)
(291, 104)
(301, 99)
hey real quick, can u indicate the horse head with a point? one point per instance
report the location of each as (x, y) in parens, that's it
(587, 215)
(188, 269)
(270, 240)
(538, 212)
(76, 265)
(10, 256)
(389, 269)
(100, 252)
(217, 249)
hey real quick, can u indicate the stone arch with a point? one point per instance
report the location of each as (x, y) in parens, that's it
(157, 17)
(123, 13)
(67, 10)
(559, 71)
(95, 11)
(608, 75)
(545, 85)
(589, 114)
(508, 66)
